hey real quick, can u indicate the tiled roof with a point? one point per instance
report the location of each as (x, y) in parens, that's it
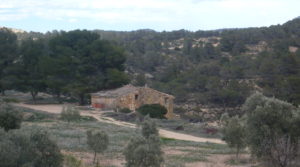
(117, 92)
(123, 91)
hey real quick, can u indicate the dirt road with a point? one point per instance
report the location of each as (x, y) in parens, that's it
(56, 109)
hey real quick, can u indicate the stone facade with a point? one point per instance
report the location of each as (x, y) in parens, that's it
(132, 97)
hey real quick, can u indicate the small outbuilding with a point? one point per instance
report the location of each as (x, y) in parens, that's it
(131, 97)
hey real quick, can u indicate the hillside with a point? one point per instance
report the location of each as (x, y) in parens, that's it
(211, 69)
(215, 68)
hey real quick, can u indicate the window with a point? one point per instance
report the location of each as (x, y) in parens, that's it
(136, 97)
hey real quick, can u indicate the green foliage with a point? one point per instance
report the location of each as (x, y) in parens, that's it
(48, 153)
(85, 64)
(212, 67)
(10, 100)
(10, 117)
(144, 151)
(97, 141)
(149, 128)
(125, 110)
(234, 133)
(70, 113)
(34, 149)
(140, 80)
(29, 71)
(8, 52)
(271, 129)
(153, 110)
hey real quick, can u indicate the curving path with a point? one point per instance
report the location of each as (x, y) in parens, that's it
(56, 109)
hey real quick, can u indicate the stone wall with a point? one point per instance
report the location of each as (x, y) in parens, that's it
(135, 99)
(151, 96)
(146, 96)
(103, 102)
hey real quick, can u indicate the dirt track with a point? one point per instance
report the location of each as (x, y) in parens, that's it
(56, 109)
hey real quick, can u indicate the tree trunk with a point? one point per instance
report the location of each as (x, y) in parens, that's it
(81, 99)
(58, 97)
(95, 154)
(2, 92)
(33, 94)
(237, 153)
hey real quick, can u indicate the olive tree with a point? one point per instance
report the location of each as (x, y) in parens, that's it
(70, 113)
(10, 117)
(272, 128)
(144, 150)
(97, 141)
(29, 149)
(234, 134)
(149, 128)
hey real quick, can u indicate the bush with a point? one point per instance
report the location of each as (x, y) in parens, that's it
(153, 110)
(234, 134)
(35, 149)
(11, 100)
(10, 117)
(145, 150)
(46, 150)
(272, 129)
(149, 128)
(70, 113)
(125, 110)
(97, 141)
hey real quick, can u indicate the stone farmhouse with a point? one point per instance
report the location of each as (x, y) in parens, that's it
(131, 97)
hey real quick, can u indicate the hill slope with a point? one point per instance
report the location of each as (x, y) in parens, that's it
(217, 68)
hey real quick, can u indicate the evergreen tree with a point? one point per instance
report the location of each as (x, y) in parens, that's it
(8, 53)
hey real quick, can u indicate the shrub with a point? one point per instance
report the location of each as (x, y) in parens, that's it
(97, 141)
(234, 134)
(144, 150)
(153, 110)
(11, 100)
(149, 128)
(10, 117)
(28, 150)
(46, 150)
(125, 110)
(70, 113)
(272, 128)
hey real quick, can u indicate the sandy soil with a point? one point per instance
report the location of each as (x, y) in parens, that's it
(56, 109)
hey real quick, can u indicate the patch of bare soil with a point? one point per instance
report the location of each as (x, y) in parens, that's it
(56, 109)
(173, 151)
(219, 160)
(87, 159)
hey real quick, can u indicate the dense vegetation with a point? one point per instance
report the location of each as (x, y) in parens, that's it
(71, 63)
(269, 128)
(219, 68)
(34, 149)
(10, 117)
(216, 67)
(24, 149)
(153, 110)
